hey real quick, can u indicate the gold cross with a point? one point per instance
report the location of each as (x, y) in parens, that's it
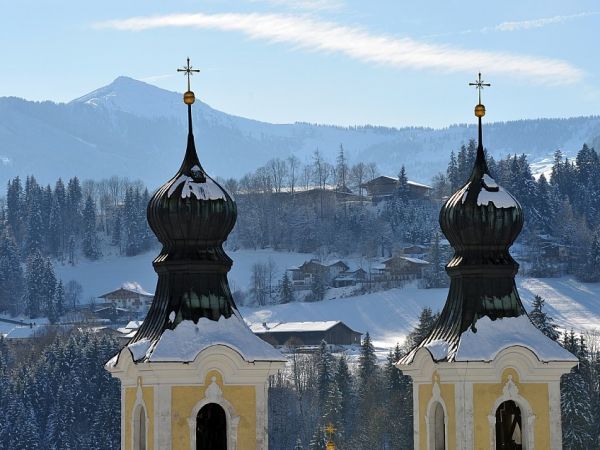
(188, 72)
(329, 429)
(479, 84)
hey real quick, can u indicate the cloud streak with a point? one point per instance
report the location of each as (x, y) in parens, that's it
(538, 23)
(307, 5)
(307, 33)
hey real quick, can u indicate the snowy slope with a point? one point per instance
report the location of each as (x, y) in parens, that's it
(387, 315)
(134, 129)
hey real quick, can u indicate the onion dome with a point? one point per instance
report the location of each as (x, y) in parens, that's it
(481, 221)
(191, 215)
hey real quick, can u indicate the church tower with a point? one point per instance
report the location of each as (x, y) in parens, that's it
(485, 377)
(194, 376)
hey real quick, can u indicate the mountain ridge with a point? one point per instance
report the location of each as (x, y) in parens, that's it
(131, 128)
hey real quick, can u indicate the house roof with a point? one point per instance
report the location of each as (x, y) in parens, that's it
(131, 287)
(294, 327)
(387, 179)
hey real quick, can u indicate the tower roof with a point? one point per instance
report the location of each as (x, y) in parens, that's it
(192, 216)
(481, 220)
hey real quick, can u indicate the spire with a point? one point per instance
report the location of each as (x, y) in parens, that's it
(480, 164)
(191, 157)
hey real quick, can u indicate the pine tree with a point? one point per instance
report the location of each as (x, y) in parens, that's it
(90, 237)
(324, 374)
(543, 321)
(59, 299)
(425, 324)
(74, 202)
(576, 408)
(15, 207)
(367, 361)
(11, 273)
(287, 291)
(35, 227)
(341, 170)
(402, 191)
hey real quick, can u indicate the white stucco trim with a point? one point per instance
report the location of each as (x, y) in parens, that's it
(135, 410)
(214, 394)
(555, 416)
(162, 417)
(436, 397)
(510, 391)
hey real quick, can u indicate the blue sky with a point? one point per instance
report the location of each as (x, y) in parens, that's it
(345, 62)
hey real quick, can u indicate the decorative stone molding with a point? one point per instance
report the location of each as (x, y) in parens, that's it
(214, 394)
(135, 411)
(436, 397)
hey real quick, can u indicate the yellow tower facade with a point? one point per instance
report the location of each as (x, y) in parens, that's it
(485, 377)
(194, 376)
(162, 402)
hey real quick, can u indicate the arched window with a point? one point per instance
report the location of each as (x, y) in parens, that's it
(509, 429)
(139, 429)
(439, 427)
(211, 428)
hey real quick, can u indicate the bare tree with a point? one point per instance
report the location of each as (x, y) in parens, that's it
(372, 171)
(278, 170)
(358, 173)
(306, 177)
(259, 283)
(293, 172)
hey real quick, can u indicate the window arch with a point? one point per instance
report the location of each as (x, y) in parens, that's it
(435, 420)
(439, 427)
(139, 428)
(511, 420)
(509, 427)
(211, 428)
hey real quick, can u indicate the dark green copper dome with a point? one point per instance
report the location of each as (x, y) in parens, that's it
(481, 221)
(191, 215)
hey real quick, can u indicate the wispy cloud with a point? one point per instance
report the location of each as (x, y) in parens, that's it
(304, 32)
(538, 23)
(305, 5)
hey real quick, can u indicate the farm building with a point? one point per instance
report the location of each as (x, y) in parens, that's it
(307, 333)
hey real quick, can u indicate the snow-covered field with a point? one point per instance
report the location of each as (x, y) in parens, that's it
(386, 315)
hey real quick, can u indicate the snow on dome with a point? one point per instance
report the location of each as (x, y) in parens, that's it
(491, 192)
(493, 336)
(188, 339)
(139, 349)
(500, 198)
(207, 190)
(489, 182)
(438, 349)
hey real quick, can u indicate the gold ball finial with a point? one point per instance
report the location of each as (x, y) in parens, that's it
(479, 110)
(189, 98)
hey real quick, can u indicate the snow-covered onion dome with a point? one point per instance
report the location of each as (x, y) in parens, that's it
(192, 215)
(481, 220)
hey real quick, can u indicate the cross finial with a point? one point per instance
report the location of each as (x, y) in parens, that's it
(189, 71)
(479, 85)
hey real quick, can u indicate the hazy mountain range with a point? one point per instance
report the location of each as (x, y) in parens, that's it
(134, 129)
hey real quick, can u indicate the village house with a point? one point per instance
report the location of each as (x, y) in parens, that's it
(129, 297)
(384, 187)
(399, 268)
(307, 333)
(303, 276)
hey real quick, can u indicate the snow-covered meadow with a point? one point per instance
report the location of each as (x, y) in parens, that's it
(387, 315)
